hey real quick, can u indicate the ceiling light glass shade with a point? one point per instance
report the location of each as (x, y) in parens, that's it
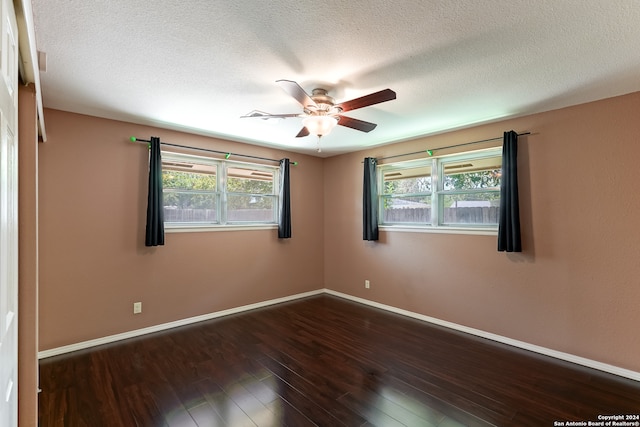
(320, 125)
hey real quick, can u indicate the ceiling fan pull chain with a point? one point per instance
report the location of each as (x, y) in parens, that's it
(319, 149)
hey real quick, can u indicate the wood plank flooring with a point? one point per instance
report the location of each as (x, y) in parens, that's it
(321, 361)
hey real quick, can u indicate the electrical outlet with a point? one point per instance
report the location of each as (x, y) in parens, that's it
(137, 307)
(367, 285)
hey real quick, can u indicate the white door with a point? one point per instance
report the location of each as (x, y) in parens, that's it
(8, 216)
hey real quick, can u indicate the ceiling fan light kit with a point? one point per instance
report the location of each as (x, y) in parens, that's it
(319, 125)
(320, 112)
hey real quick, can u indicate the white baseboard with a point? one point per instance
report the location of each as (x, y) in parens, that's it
(157, 328)
(520, 344)
(477, 332)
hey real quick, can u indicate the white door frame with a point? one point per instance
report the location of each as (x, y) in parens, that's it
(8, 215)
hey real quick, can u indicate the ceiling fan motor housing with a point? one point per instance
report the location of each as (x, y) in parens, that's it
(325, 103)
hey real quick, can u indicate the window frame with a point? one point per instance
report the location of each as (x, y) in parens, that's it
(222, 166)
(437, 194)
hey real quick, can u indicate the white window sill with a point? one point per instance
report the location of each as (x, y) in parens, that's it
(207, 228)
(482, 231)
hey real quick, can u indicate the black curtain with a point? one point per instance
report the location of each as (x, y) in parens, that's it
(284, 217)
(370, 201)
(155, 212)
(509, 225)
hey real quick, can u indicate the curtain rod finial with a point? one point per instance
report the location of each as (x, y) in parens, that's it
(294, 163)
(133, 139)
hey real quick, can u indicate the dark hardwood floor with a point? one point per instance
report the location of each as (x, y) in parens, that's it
(321, 361)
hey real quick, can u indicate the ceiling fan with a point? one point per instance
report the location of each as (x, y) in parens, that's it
(321, 113)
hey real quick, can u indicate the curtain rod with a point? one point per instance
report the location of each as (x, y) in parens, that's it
(226, 153)
(430, 151)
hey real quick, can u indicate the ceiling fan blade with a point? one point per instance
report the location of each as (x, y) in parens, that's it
(262, 115)
(295, 91)
(356, 124)
(303, 132)
(371, 99)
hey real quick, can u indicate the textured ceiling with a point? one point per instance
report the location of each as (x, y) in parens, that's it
(199, 65)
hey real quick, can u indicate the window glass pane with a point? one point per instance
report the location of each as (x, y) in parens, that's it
(473, 174)
(405, 181)
(189, 192)
(409, 209)
(247, 180)
(250, 208)
(188, 176)
(187, 206)
(471, 208)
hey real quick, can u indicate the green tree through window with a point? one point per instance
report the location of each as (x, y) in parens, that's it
(181, 189)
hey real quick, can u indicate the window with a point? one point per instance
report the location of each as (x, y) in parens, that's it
(200, 192)
(449, 191)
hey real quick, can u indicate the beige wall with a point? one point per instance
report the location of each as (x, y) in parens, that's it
(93, 262)
(27, 258)
(576, 287)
